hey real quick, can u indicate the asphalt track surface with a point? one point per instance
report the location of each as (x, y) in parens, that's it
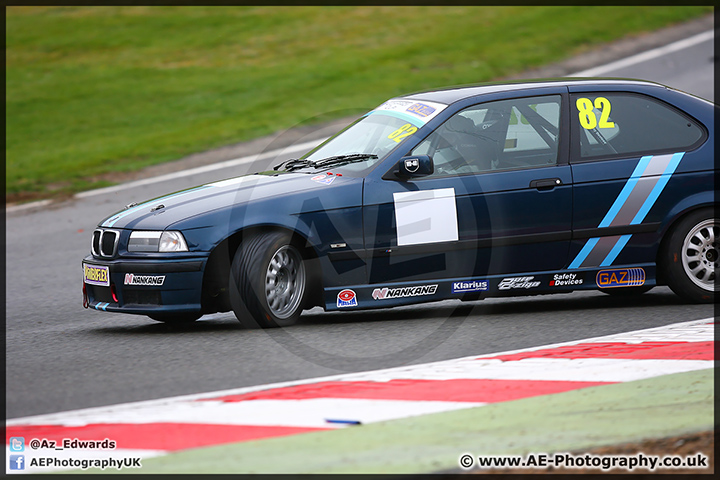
(62, 357)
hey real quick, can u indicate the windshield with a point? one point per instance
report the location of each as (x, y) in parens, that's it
(374, 135)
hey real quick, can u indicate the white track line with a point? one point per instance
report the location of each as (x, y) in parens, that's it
(645, 56)
(61, 416)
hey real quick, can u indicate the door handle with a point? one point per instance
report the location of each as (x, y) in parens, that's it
(546, 183)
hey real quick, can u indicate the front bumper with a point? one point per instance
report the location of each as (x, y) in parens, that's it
(179, 291)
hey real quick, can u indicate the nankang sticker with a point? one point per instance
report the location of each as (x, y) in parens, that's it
(346, 298)
(471, 286)
(324, 179)
(565, 279)
(620, 277)
(516, 283)
(385, 293)
(154, 280)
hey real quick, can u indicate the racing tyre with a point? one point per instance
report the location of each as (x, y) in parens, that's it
(175, 318)
(690, 257)
(267, 281)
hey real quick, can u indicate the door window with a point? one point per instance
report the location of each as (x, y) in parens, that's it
(501, 135)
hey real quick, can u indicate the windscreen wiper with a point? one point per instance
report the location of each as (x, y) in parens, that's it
(340, 159)
(295, 163)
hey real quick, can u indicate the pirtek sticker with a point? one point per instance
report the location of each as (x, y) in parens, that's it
(132, 279)
(385, 293)
(621, 277)
(346, 298)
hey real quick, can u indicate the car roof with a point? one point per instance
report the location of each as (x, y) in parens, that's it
(453, 94)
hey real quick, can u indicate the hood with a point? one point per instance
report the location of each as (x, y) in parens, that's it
(159, 213)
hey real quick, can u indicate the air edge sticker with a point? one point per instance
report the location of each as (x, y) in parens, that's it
(637, 197)
(427, 216)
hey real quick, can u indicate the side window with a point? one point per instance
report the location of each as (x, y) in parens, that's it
(612, 124)
(502, 135)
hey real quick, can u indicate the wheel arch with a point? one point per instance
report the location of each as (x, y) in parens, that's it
(215, 297)
(675, 216)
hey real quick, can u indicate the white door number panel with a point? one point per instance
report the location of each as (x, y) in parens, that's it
(427, 216)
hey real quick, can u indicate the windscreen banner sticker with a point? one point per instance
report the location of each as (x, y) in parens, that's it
(402, 292)
(324, 179)
(416, 112)
(426, 216)
(470, 286)
(621, 277)
(347, 298)
(566, 280)
(96, 275)
(145, 280)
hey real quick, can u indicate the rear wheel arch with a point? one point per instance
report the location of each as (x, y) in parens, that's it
(674, 265)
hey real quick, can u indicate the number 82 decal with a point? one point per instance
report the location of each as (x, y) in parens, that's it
(587, 116)
(402, 132)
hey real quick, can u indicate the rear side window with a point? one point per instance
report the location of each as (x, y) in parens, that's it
(612, 124)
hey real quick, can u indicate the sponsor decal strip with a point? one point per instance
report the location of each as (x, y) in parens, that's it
(631, 206)
(161, 426)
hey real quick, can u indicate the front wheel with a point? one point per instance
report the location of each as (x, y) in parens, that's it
(690, 257)
(267, 281)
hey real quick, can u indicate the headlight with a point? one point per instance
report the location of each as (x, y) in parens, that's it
(146, 241)
(172, 242)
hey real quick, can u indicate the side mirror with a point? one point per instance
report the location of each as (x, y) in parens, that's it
(415, 166)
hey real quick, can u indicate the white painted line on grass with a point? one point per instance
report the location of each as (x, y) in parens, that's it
(645, 56)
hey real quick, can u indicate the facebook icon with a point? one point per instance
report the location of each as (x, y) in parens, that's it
(17, 462)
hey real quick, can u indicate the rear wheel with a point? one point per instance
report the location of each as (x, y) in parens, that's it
(690, 257)
(267, 281)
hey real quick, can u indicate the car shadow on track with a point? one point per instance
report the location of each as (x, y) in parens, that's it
(510, 306)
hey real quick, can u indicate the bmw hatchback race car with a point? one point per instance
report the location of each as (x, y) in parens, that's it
(491, 190)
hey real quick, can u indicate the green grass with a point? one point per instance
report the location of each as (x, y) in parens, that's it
(96, 90)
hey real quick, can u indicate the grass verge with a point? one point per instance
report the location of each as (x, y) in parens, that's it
(96, 90)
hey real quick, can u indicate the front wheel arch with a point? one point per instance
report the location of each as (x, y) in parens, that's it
(215, 289)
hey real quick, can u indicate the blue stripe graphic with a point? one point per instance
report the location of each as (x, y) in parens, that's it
(627, 189)
(619, 245)
(111, 221)
(657, 190)
(584, 252)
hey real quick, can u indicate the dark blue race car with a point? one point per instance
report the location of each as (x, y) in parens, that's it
(491, 190)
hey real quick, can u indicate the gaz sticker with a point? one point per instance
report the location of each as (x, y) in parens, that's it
(96, 275)
(620, 277)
